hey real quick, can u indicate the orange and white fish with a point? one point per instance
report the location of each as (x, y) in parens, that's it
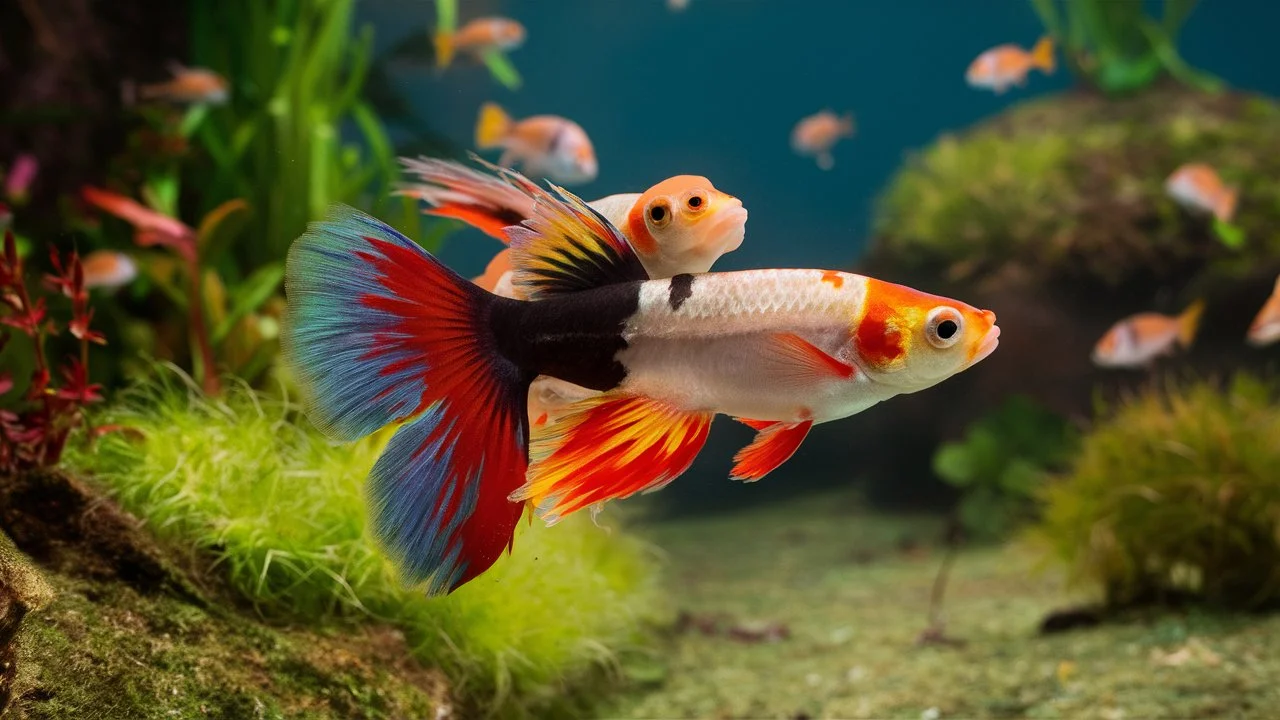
(1196, 186)
(1138, 340)
(478, 37)
(189, 86)
(1006, 65)
(681, 225)
(108, 269)
(545, 145)
(378, 331)
(1265, 328)
(815, 135)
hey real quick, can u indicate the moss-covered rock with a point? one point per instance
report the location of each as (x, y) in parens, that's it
(1071, 187)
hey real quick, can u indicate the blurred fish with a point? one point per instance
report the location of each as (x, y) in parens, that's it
(108, 269)
(677, 5)
(379, 331)
(478, 37)
(681, 225)
(1005, 65)
(189, 86)
(1265, 328)
(545, 145)
(1196, 186)
(816, 134)
(21, 174)
(1139, 339)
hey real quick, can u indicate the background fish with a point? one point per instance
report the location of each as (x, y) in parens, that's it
(1139, 339)
(1197, 186)
(189, 86)
(1005, 65)
(108, 269)
(477, 37)
(1265, 328)
(817, 134)
(544, 145)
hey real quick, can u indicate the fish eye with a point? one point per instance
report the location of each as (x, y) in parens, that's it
(659, 214)
(943, 327)
(695, 202)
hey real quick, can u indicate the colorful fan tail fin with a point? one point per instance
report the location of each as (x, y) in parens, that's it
(486, 202)
(774, 444)
(610, 447)
(567, 246)
(379, 331)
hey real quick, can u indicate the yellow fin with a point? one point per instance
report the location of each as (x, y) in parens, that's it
(1042, 55)
(492, 126)
(1189, 322)
(444, 49)
(610, 446)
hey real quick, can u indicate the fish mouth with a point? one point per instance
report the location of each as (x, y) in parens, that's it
(987, 346)
(729, 225)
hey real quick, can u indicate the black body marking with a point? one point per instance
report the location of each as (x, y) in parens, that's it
(681, 290)
(575, 337)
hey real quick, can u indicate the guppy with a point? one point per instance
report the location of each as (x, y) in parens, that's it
(378, 331)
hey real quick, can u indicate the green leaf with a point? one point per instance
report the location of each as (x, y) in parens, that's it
(502, 69)
(194, 118)
(220, 227)
(161, 193)
(248, 296)
(953, 464)
(446, 15)
(1230, 235)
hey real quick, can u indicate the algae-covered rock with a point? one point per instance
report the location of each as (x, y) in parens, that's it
(23, 590)
(1071, 188)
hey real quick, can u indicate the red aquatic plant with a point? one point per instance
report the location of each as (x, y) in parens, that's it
(154, 229)
(34, 434)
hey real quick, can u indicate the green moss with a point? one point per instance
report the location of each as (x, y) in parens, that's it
(1073, 185)
(106, 651)
(282, 510)
(1177, 494)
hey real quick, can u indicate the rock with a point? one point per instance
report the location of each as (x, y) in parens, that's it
(22, 591)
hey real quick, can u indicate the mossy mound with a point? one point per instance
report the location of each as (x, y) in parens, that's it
(1071, 187)
(250, 485)
(1176, 497)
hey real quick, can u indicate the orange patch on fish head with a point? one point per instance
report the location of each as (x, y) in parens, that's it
(913, 339)
(684, 224)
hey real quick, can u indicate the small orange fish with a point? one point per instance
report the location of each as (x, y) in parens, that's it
(1005, 65)
(1265, 328)
(816, 134)
(545, 145)
(478, 37)
(1197, 186)
(189, 86)
(108, 269)
(1139, 339)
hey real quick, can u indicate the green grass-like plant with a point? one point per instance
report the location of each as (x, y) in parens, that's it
(297, 134)
(1178, 493)
(282, 510)
(1114, 46)
(1073, 186)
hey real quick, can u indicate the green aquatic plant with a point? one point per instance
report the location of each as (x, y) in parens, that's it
(1074, 186)
(297, 134)
(1001, 463)
(1116, 47)
(282, 511)
(1176, 494)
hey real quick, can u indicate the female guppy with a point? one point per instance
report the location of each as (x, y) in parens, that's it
(379, 331)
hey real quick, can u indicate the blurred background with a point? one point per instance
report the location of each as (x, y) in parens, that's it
(1103, 174)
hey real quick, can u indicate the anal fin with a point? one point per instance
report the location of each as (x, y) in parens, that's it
(610, 447)
(774, 444)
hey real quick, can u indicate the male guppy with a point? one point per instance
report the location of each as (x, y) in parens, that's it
(379, 331)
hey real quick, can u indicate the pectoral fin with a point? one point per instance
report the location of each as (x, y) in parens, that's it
(795, 360)
(608, 447)
(774, 443)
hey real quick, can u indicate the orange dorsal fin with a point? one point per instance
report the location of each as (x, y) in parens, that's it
(799, 361)
(610, 446)
(772, 446)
